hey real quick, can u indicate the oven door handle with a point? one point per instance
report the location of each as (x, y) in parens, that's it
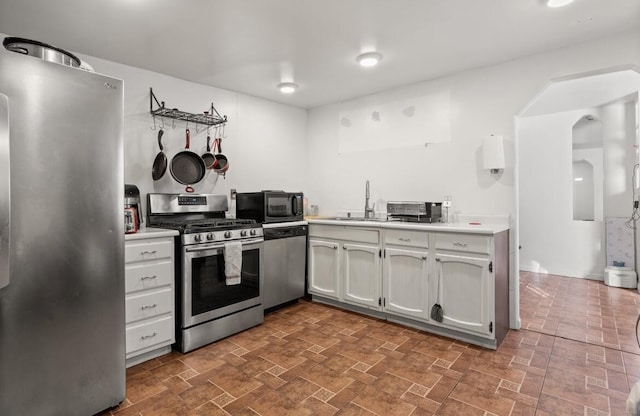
(220, 246)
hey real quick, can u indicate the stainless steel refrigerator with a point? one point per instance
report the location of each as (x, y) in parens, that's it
(62, 335)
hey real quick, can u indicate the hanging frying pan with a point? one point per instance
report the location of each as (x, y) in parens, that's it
(221, 165)
(208, 157)
(187, 167)
(160, 162)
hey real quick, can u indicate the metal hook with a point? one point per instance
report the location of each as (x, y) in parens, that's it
(224, 132)
(162, 120)
(197, 127)
(154, 123)
(173, 123)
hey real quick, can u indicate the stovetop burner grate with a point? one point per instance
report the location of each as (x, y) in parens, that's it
(203, 224)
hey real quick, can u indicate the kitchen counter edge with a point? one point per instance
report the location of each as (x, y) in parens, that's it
(489, 229)
(150, 233)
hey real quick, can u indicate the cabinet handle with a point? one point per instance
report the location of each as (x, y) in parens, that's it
(437, 258)
(148, 336)
(148, 307)
(344, 248)
(459, 245)
(147, 252)
(424, 257)
(335, 247)
(406, 240)
(148, 277)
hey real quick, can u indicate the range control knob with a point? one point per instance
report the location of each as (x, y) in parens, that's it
(227, 234)
(210, 236)
(243, 233)
(198, 237)
(253, 232)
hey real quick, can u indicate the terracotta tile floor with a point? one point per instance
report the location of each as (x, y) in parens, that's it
(576, 355)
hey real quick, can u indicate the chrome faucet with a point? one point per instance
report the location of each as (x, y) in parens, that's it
(368, 212)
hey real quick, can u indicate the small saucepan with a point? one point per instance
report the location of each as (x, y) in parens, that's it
(187, 167)
(221, 165)
(208, 157)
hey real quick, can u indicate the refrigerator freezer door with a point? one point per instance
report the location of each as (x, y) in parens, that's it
(62, 337)
(5, 201)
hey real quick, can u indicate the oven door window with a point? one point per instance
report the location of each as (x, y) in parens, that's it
(209, 290)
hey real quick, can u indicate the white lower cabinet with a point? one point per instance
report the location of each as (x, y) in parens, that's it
(402, 273)
(406, 282)
(149, 298)
(323, 268)
(466, 294)
(361, 274)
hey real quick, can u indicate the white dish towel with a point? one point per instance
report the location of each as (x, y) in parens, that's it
(232, 262)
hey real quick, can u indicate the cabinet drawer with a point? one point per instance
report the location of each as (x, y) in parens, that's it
(148, 305)
(148, 276)
(338, 232)
(463, 242)
(147, 250)
(406, 238)
(149, 334)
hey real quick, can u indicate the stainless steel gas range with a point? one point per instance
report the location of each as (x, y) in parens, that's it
(209, 306)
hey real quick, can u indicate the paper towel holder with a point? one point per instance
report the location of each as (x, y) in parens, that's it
(493, 153)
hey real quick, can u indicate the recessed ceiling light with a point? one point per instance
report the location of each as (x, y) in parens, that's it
(287, 87)
(369, 59)
(558, 3)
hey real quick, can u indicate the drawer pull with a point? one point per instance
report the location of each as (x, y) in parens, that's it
(143, 308)
(148, 252)
(406, 240)
(459, 245)
(424, 257)
(148, 336)
(437, 258)
(335, 247)
(148, 277)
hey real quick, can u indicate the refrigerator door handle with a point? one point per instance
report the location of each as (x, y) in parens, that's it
(5, 194)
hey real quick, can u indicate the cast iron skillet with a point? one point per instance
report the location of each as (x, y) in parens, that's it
(187, 167)
(160, 162)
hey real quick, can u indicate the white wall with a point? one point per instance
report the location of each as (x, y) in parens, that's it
(483, 101)
(552, 242)
(265, 142)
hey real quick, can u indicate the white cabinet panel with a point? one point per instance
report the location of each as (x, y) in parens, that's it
(142, 276)
(466, 292)
(323, 268)
(361, 274)
(145, 250)
(150, 334)
(148, 305)
(406, 282)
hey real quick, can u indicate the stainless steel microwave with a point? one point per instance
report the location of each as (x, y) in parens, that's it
(270, 206)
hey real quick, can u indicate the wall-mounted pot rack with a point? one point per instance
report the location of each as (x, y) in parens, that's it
(210, 118)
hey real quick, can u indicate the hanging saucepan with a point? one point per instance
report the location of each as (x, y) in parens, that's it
(187, 167)
(221, 165)
(160, 162)
(208, 157)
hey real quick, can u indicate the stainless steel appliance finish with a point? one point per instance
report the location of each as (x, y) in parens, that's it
(414, 211)
(270, 206)
(208, 308)
(62, 317)
(285, 250)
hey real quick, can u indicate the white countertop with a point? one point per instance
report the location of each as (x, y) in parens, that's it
(150, 233)
(284, 224)
(469, 228)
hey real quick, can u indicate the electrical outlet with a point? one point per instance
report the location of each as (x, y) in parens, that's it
(232, 194)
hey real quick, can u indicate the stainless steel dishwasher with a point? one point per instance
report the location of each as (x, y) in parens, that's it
(285, 254)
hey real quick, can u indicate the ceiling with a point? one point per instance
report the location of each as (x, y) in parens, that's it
(250, 46)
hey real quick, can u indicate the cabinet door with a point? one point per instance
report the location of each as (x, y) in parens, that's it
(465, 284)
(361, 274)
(406, 282)
(323, 268)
